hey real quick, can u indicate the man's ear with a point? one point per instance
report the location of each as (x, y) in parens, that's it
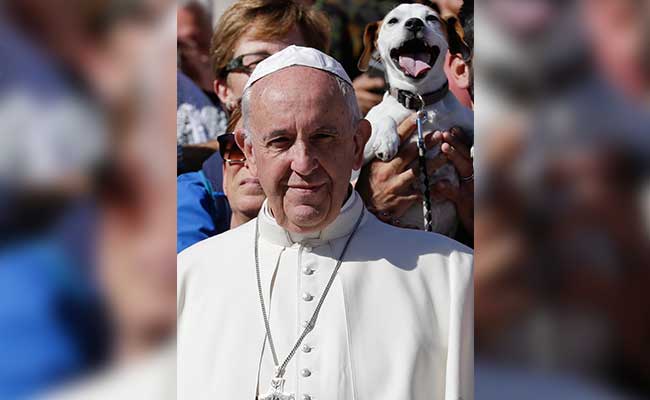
(456, 37)
(247, 147)
(369, 44)
(360, 139)
(459, 71)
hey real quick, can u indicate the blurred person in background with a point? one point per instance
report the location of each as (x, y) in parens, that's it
(205, 207)
(77, 314)
(618, 32)
(47, 107)
(560, 238)
(133, 245)
(194, 31)
(200, 115)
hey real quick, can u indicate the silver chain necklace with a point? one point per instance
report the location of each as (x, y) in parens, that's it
(276, 391)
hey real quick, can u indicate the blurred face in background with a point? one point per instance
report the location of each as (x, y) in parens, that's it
(194, 31)
(619, 36)
(136, 255)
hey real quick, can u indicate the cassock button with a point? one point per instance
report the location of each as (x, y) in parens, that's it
(307, 271)
(306, 348)
(306, 397)
(305, 373)
(307, 296)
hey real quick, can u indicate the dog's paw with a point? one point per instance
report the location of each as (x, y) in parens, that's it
(387, 146)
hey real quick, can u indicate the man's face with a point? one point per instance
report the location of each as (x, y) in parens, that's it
(245, 195)
(303, 146)
(233, 86)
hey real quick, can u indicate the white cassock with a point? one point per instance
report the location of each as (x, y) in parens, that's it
(397, 323)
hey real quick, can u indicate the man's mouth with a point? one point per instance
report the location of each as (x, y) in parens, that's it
(415, 57)
(306, 187)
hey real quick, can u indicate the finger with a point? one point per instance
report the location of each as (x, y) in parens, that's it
(405, 156)
(462, 164)
(406, 128)
(457, 143)
(404, 182)
(431, 139)
(460, 134)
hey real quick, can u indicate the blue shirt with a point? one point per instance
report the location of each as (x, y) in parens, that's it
(203, 209)
(52, 322)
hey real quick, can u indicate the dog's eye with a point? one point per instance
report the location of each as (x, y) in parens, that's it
(431, 18)
(393, 21)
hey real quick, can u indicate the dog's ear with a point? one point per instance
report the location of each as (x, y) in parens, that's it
(369, 44)
(456, 37)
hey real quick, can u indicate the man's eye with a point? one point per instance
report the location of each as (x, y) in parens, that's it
(393, 21)
(323, 136)
(281, 141)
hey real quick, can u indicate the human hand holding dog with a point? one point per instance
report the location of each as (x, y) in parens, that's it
(456, 150)
(366, 89)
(390, 188)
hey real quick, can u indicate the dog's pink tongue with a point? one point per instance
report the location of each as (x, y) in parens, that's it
(413, 64)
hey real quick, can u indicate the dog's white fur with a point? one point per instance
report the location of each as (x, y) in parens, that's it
(441, 116)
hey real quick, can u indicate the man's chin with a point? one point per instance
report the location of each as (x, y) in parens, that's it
(306, 218)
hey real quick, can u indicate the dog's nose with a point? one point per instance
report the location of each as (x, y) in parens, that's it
(414, 24)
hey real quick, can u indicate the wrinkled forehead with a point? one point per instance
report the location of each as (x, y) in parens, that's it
(411, 10)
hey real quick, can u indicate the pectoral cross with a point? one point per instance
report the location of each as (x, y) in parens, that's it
(276, 391)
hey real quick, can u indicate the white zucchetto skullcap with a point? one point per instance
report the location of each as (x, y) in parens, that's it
(297, 55)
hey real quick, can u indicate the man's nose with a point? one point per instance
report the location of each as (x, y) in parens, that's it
(414, 24)
(304, 160)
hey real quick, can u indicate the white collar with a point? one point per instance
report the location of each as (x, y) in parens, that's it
(340, 227)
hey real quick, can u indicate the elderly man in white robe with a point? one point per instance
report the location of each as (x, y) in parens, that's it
(316, 298)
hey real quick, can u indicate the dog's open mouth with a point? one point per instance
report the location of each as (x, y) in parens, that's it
(415, 57)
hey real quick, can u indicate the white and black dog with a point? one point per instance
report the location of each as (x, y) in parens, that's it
(412, 41)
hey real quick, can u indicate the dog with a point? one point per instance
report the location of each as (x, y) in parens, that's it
(412, 41)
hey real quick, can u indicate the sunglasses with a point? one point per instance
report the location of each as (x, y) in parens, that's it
(230, 152)
(245, 63)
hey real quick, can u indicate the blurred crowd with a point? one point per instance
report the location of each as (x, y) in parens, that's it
(562, 255)
(559, 215)
(87, 261)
